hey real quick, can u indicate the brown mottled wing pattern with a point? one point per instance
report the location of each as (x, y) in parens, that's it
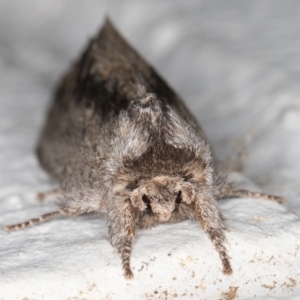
(101, 84)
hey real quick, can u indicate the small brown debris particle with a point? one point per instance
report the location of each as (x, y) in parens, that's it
(149, 296)
(292, 283)
(231, 294)
(91, 287)
(270, 287)
(202, 285)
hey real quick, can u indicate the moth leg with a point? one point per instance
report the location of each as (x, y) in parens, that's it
(35, 221)
(41, 196)
(121, 228)
(210, 218)
(228, 190)
(256, 195)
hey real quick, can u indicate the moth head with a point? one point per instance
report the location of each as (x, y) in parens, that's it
(162, 195)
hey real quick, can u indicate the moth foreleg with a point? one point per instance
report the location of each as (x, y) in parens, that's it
(121, 226)
(207, 212)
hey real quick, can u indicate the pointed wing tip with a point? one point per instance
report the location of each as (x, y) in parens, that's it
(107, 21)
(108, 31)
(108, 25)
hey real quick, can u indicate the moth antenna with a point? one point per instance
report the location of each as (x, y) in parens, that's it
(34, 221)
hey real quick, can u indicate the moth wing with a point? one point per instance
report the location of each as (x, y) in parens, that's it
(98, 86)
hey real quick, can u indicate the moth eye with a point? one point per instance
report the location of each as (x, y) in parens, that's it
(179, 197)
(146, 201)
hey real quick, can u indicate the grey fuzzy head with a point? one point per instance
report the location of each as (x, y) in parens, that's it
(162, 195)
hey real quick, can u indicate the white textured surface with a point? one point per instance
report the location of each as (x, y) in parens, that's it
(237, 66)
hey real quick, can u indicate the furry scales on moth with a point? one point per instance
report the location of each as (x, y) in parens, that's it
(121, 142)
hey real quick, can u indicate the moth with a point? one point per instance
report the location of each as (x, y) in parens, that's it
(119, 141)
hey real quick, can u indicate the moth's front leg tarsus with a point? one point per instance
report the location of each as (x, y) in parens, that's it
(121, 226)
(210, 218)
(123, 247)
(125, 251)
(218, 238)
